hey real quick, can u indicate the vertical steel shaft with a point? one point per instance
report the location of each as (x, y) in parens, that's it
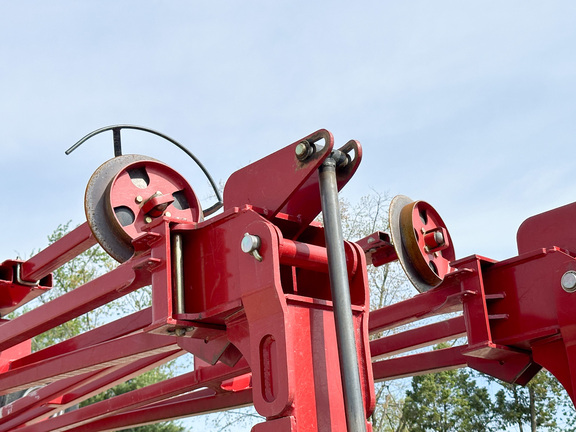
(353, 401)
(178, 272)
(117, 142)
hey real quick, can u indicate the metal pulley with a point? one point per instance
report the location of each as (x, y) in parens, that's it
(128, 193)
(421, 241)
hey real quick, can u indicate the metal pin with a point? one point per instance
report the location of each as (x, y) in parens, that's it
(303, 150)
(568, 281)
(178, 272)
(250, 245)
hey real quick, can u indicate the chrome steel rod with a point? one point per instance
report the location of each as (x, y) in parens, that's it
(178, 272)
(353, 401)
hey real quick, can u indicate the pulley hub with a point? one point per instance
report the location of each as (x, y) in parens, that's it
(129, 192)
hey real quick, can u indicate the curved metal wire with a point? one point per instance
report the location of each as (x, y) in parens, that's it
(117, 151)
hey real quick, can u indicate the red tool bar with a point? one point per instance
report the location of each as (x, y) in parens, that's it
(110, 286)
(444, 299)
(184, 406)
(36, 405)
(420, 337)
(420, 364)
(111, 353)
(303, 255)
(204, 377)
(308, 256)
(58, 253)
(115, 329)
(74, 390)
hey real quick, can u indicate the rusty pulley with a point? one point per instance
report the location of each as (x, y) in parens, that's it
(421, 241)
(129, 192)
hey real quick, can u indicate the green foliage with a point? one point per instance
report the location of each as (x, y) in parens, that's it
(537, 405)
(447, 401)
(452, 400)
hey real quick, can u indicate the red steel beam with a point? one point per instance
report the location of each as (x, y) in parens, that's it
(115, 329)
(303, 255)
(58, 253)
(420, 364)
(418, 338)
(204, 377)
(446, 298)
(184, 406)
(106, 354)
(74, 390)
(110, 286)
(35, 405)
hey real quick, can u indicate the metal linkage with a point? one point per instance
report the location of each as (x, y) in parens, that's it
(178, 272)
(353, 401)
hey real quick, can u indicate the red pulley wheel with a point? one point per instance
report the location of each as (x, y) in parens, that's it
(422, 242)
(129, 192)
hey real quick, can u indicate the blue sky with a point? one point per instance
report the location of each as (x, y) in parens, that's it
(467, 105)
(470, 106)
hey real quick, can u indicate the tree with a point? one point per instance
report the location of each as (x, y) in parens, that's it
(537, 405)
(448, 401)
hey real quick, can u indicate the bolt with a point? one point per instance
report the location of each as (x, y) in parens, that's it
(250, 245)
(139, 199)
(568, 281)
(439, 238)
(303, 150)
(434, 240)
(147, 219)
(168, 214)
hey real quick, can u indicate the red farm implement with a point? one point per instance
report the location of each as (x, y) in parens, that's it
(273, 306)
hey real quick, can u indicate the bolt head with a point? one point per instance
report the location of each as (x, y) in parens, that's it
(439, 238)
(302, 150)
(139, 199)
(568, 281)
(147, 219)
(250, 243)
(168, 214)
